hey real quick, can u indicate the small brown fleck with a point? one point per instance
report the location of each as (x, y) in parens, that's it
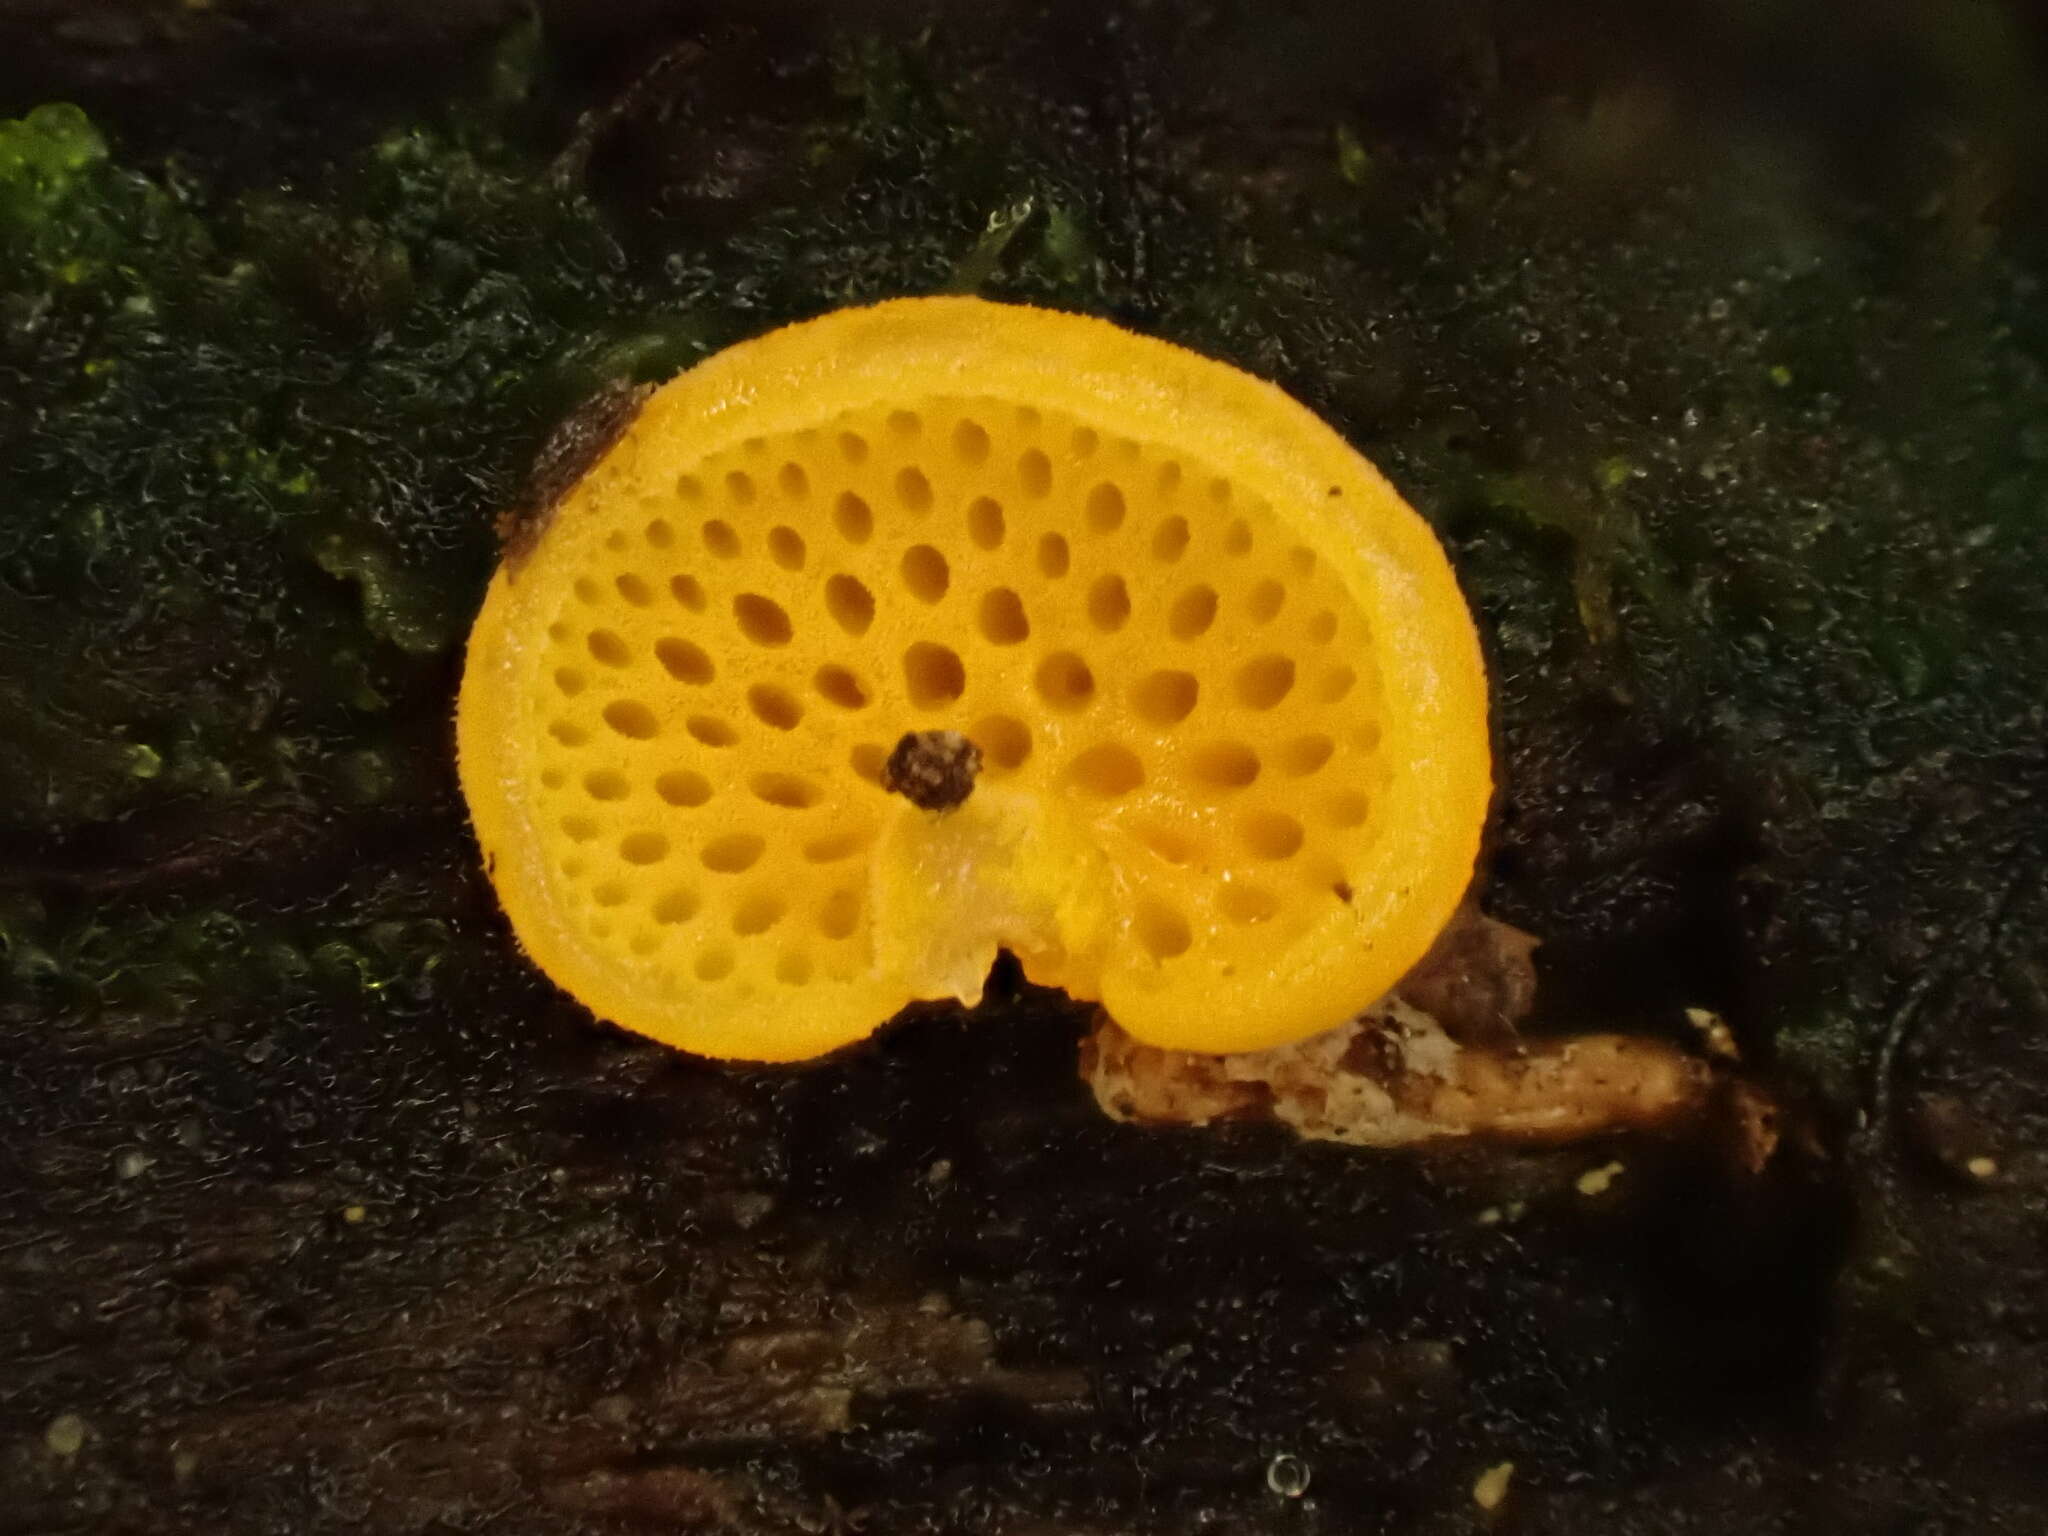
(932, 769)
(1953, 1135)
(571, 451)
(1374, 1055)
(1478, 980)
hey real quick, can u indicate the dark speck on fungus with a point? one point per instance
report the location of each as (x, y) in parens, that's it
(932, 769)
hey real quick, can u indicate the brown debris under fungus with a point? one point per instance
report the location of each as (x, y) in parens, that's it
(1438, 1059)
(1478, 980)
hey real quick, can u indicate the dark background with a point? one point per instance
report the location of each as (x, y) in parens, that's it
(1711, 337)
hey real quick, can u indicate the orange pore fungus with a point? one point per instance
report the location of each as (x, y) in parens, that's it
(1228, 700)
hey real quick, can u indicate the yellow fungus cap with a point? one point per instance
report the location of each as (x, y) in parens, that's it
(1229, 701)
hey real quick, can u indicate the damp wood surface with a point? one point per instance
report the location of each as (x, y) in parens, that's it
(1711, 342)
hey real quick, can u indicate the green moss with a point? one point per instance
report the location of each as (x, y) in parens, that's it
(395, 609)
(1069, 247)
(1698, 447)
(1354, 160)
(49, 162)
(979, 264)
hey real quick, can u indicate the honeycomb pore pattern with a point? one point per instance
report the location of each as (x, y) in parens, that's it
(1111, 622)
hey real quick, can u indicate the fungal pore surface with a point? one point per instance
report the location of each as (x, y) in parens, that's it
(1226, 707)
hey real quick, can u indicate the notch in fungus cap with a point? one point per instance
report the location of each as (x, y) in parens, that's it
(1225, 757)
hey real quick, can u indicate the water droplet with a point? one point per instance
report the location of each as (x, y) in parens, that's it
(65, 1435)
(1287, 1476)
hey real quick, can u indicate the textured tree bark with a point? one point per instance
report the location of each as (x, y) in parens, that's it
(1718, 363)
